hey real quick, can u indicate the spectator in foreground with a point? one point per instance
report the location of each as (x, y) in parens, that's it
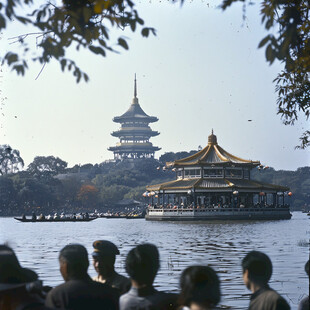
(142, 265)
(257, 271)
(304, 303)
(104, 256)
(19, 287)
(200, 288)
(79, 291)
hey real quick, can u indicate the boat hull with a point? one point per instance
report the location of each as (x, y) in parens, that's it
(218, 214)
(53, 220)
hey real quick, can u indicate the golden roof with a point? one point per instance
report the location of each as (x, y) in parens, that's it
(211, 154)
(225, 184)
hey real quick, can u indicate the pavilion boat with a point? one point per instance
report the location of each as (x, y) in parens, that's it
(215, 185)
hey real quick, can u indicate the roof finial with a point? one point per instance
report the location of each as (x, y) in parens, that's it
(212, 138)
(135, 91)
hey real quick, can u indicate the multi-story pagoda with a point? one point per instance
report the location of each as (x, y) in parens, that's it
(214, 184)
(134, 133)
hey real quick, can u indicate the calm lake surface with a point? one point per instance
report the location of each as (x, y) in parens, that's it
(220, 244)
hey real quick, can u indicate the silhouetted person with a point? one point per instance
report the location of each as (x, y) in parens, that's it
(33, 217)
(79, 291)
(104, 256)
(19, 287)
(142, 264)
(200, 288)
(257, 271)
(304, 303)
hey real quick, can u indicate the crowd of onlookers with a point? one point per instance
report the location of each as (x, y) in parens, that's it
(20, 288)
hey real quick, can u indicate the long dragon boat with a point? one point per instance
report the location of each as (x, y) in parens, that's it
(30, 220)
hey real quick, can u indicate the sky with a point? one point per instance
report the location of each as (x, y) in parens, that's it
(202, 71)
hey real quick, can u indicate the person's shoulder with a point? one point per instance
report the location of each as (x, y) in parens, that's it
(58, 288)
(127, 295)
(271, 296)
(128, 300)
(54, 296)
(166, 300)
(122, 278)
(304, 304)
(104, 288)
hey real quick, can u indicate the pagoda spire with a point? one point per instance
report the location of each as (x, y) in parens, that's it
(135, 90)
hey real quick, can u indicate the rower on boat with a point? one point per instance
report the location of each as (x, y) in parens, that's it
(33, 217)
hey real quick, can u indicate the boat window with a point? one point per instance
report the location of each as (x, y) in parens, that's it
(246, 174)
(192, 173)
(233, 173)
(214, 173)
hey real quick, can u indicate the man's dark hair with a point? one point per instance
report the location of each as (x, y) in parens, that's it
(259, 267)
(200, 285)
(142, 263)
(307, 267)
(76, 257)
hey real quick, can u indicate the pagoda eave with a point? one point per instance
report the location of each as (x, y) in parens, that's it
(129, 134)
(133, 149)
(146, 119)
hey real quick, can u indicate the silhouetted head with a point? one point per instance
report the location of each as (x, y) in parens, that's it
(142, 263)
(257, 267)
(200, 288)
(12, 275)
(73, 259)
(307, 267)
(104, 256)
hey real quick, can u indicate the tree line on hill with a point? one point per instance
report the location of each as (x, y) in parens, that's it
(47, 185)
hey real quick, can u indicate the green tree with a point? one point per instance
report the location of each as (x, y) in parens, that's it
(171, 156)
(70, 189)
(288, 41)
(10, 160)
(82, 24)
(113, 193)
(7, 195)
(35, 193)
(46, 166)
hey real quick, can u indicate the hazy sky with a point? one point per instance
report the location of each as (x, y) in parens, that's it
(202, 71)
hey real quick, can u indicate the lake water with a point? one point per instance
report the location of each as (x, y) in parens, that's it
(220, 244)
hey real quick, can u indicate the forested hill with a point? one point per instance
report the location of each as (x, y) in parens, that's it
(47, 185)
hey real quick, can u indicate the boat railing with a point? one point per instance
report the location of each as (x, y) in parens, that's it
(219, 209)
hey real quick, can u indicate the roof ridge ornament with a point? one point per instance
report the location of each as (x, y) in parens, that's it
(135, 89)
(212, 138)
(135, 98)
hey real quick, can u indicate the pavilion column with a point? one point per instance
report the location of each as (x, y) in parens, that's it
(163, 198)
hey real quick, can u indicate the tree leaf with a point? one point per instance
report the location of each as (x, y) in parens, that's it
(63, 63)
(264, 41)
(145, 32)
(123, 43)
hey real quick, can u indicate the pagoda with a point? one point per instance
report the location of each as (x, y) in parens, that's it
(134, 133)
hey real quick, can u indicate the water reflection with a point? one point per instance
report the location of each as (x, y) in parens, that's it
(220, 245)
